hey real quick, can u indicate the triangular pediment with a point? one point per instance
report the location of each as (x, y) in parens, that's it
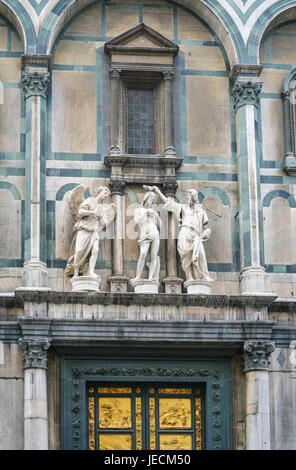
(141, 37)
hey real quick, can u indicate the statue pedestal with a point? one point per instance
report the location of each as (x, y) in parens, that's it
(118, 283)
(198, 287)
(145, 286)
(173, 285)
(86, 283)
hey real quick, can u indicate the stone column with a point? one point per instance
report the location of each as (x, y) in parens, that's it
(35, 87)
(173, 284)
(246, 92)
(167, 76)
(256, 369)
(289, 167)
(35, 392)
(118, 282)
(114, 113)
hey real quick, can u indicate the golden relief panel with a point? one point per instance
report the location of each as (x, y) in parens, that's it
(91, 424)
(115, 442)
(175, 391)
(114, 390)
(175, 442)
(198, 423)
(152, 423)
(115, 413)
(174, 413)
(139, 423)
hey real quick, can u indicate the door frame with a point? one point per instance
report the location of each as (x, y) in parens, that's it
(215, 375)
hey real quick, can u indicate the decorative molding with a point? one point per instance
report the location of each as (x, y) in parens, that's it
(251, 70)
(43, 60)
(256, 354)
(34, 352)
(35, 83)
(246, 92)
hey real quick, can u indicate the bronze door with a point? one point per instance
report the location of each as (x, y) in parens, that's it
(150, 416)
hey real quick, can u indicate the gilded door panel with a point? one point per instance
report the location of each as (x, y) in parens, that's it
(115, 413)
(175, 413)
(115, 442)
(175, 442)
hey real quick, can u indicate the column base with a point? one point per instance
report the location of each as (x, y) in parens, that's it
(173, 285)
(145, 286)
(86, 283)
(118, 284)
(198, 286)
(254, 280)
(35, 274)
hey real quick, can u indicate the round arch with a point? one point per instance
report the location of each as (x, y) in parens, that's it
(208, 10)
(18, 16)
(278, 13)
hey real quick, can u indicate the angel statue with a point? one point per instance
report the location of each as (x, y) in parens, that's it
(86, 218)
(149, 224)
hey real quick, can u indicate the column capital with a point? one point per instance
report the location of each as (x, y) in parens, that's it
(117, 187)
(35, 352)
(170, 188)
(246, 92)
(167, 75)
(115, 73)
(256, 354)
(36, 83)
(285, 94)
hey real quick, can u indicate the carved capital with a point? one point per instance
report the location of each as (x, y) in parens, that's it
(167, 75)
(115, 73)
(117, 187)
(169, 188)
(256, 354)
(34, 352)
(285, 95)
(35, 83)
(246, 93)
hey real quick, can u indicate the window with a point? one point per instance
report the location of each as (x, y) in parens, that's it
(141, 71)
(140, 121)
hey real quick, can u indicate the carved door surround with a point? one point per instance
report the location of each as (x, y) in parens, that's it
(210, 378)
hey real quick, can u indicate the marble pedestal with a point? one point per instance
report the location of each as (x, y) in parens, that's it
(86, 283)
(173, 285)
(145, 286)
(118, 283)
(198, 287)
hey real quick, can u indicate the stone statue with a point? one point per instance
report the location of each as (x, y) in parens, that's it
(87, 218)
(194, 230)
(149, 224)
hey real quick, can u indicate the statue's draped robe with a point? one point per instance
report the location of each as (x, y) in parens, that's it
(87, 230)
(194, 222)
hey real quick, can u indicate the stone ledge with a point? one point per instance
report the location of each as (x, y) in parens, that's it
(130, 298)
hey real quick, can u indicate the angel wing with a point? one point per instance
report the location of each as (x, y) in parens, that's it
(72, 202)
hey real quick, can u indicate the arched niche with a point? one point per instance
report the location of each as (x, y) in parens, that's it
(218, 19)
(19, 17)
(279, 217)
(274, 15)
(10, 222)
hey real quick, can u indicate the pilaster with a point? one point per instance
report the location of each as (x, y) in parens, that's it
(256, 368)
(246, 93)
(288, 98)
(35, 392)
(36, 83)
(118, 282)
(114, 113)
(167, 76)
